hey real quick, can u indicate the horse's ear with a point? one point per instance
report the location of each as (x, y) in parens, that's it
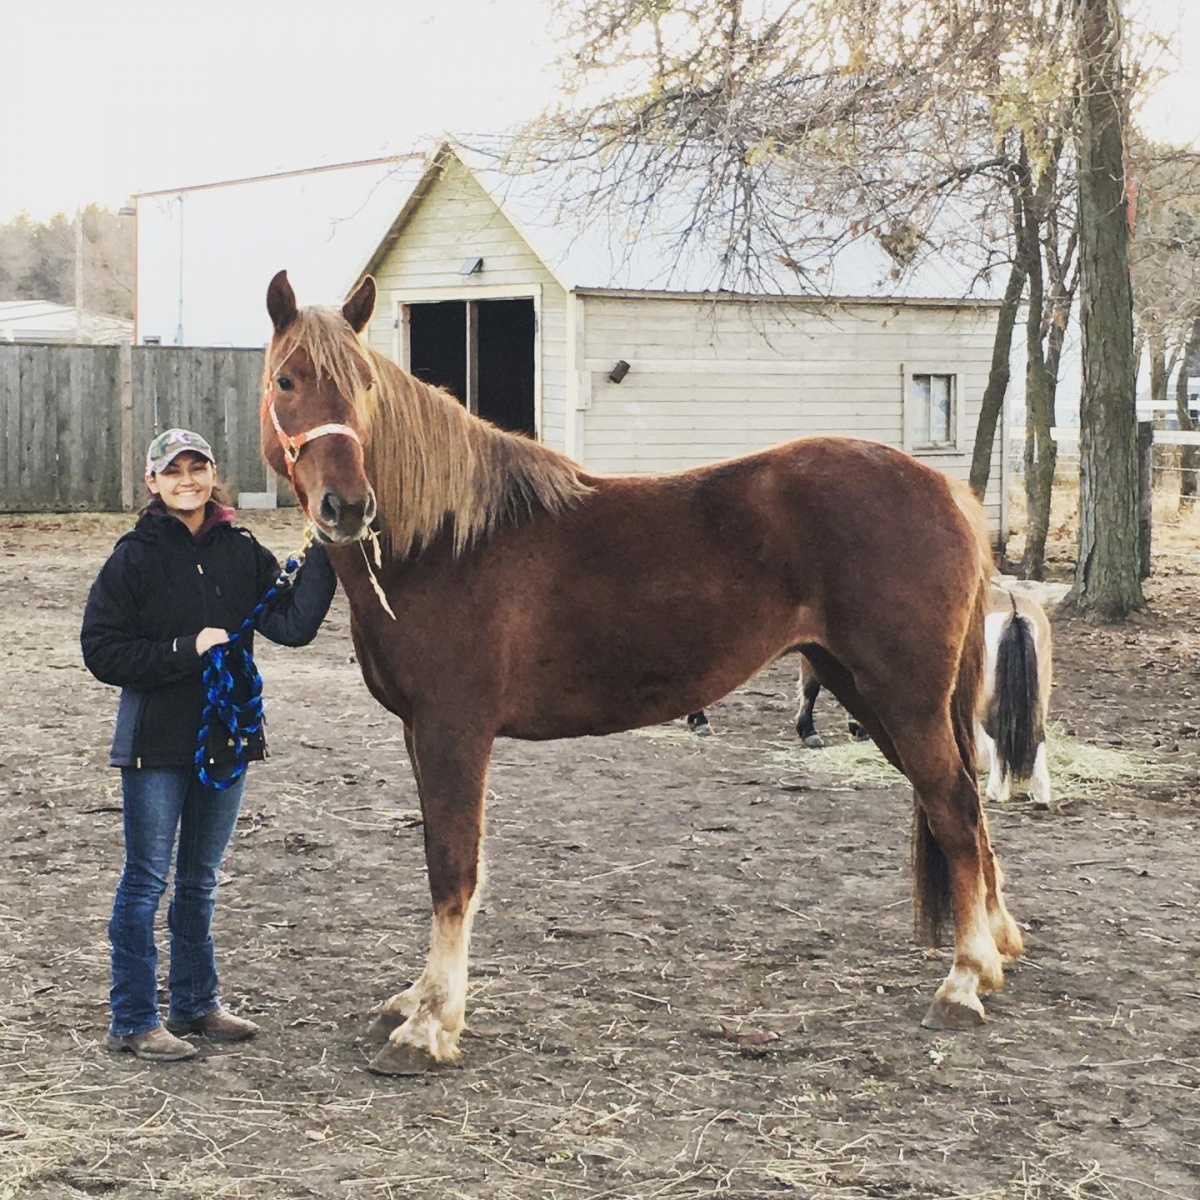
(281, 302)
(358, 309)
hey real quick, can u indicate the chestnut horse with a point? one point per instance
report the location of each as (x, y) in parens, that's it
(535, 600)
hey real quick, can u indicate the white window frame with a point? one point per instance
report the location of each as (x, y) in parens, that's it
(911, 399)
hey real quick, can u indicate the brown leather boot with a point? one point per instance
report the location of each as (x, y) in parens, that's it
(218, 1026)
(155, 1045)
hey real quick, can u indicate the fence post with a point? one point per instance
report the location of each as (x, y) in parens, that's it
(125, 400)
(1145, 453)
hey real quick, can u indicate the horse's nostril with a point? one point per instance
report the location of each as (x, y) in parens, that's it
(331, 508)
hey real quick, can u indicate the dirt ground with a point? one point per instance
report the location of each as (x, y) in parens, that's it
(693, 972)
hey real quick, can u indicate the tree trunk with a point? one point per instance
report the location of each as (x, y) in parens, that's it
(997, 384)
(1106, 571)
(1041, 454)
(1158, 370)
(1159, 379)
(1189, 458)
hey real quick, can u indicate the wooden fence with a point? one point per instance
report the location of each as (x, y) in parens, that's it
(76, 420)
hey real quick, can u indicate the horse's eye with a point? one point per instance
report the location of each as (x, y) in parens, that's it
(285, 383)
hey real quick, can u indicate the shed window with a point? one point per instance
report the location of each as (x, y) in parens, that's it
(934, 417)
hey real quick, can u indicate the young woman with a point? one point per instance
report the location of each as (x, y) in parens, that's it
(171, 589)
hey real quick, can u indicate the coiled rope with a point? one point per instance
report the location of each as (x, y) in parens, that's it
(228, 660)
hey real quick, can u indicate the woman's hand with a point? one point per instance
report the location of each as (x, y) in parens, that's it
(206, 639)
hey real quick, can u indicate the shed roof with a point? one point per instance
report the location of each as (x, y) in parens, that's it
(45, 321)
(593, 247)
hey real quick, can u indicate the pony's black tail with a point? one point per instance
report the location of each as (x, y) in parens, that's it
(1014, 717)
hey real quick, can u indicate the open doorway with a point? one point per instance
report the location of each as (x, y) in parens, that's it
(482, 351)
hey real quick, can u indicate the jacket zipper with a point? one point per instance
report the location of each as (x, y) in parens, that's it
(143, 704)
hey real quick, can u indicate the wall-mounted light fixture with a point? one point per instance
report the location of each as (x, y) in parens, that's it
(471, 266)
(619, 371)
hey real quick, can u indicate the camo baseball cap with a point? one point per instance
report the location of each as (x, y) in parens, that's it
(170, 444)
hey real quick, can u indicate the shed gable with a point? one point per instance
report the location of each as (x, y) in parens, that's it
(454, 220)
(449, 222)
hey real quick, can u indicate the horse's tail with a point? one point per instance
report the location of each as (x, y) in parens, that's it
(931, 873)
(1014, 717)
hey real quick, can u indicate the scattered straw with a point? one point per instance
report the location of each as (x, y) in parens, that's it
(1077, 768)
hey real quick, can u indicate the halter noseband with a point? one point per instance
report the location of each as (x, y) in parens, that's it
(292, 444)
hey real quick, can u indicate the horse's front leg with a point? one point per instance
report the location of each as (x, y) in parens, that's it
(451, 768)
(394, 1011)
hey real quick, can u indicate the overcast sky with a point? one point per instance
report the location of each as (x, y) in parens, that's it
(103, 100)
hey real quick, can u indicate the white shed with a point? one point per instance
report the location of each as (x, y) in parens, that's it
(45, 321)
(618, 354)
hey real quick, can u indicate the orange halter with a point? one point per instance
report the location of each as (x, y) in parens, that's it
(293, 443)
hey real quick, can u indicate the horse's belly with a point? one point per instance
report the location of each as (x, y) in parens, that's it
(587, 701)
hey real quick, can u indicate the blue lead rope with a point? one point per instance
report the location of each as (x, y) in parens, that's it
(241, 720)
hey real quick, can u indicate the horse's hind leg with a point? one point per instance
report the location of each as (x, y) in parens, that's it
(1039, 784)
(810, 689)
(1005, 931)
(953, 861)
(950, 815)
(452, 766)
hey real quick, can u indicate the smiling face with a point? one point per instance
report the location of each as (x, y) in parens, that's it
(185, 485)
(310, 430)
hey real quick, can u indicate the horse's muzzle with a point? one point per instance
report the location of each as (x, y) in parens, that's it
(340, 520)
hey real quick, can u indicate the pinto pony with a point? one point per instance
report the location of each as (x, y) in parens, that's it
(1015, 704)
(534, 600)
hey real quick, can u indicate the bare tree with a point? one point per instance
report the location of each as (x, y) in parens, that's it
(1050, 225)
(37, 261)
(781, 131)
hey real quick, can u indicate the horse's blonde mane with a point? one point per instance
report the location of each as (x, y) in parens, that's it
(434, 466)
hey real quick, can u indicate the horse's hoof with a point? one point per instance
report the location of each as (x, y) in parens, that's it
(381, 1028)
(859, 734)
(702, 730)
(400, 1058)
(814, 741)
(944, 1014)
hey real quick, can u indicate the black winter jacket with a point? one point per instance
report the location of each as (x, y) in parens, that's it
(158, 589)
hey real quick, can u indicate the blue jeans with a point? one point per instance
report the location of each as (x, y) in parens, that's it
(160, 802)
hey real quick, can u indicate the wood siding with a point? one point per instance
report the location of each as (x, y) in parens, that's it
(214, 392)
(456, 220)
(712, 379)
(77, 420)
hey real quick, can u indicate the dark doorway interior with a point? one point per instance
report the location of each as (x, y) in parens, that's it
(505, 340)
(437, 340)
(502, 387)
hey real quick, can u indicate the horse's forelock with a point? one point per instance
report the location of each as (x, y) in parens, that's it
(334, 351)
(431, 462)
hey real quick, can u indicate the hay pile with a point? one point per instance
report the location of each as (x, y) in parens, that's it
(1077, 769)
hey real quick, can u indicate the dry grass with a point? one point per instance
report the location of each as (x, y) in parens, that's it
(1175, 536)
(1077, 768)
